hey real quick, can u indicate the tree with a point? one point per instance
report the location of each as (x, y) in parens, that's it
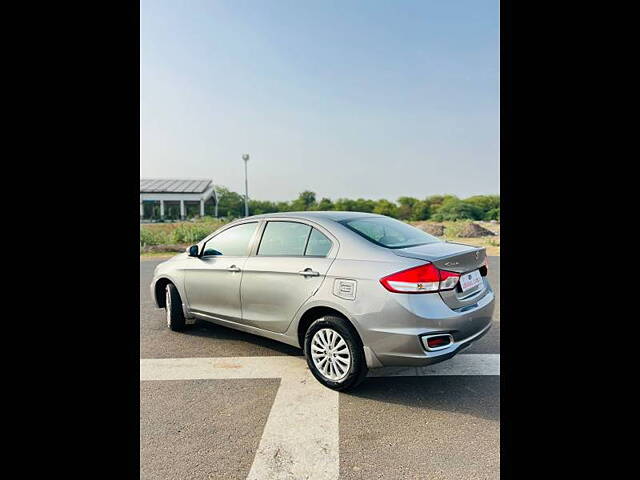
(325, 204)
(284, 207)
(345, 205)
(406, 206)
(487, 203)
(385, 207)
(363, 205)
(258, 207)
(493, 214)
(455, 209)
(305, 201)
(421, 211)
(436, 207)
(230, 204)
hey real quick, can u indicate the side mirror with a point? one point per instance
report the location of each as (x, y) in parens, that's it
(193, 251)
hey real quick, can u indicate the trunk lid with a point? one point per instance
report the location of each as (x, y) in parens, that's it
(453, 257)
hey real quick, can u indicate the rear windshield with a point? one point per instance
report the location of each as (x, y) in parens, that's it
(389, 232)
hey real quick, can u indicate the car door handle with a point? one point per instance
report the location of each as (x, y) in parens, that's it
(233, 268)
(307, 272)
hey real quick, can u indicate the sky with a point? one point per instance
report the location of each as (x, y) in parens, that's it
(350, 98)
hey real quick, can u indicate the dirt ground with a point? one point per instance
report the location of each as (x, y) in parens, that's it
(451, 231)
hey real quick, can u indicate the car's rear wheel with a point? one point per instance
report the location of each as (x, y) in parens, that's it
(334, 353)
(173, 308)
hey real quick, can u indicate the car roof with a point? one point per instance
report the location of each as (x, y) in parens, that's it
(325, 215)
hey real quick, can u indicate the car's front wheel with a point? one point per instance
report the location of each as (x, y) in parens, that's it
(173, 308)
(334, 353)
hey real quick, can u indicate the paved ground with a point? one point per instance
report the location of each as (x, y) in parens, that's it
(210, 435)
(436, 427)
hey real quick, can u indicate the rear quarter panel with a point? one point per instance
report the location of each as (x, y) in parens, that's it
(369, 292)
(384, 320)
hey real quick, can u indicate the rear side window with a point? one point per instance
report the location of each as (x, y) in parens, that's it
(284, 239)
(233, 242)
(293, 239)
(319, 245)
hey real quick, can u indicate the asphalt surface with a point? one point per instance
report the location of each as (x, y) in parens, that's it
(438, 427)
(211, 435)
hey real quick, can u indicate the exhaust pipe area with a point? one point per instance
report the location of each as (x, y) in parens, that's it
(436, 342)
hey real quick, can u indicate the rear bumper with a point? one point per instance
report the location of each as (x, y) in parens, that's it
(429, 358)
(393, 337)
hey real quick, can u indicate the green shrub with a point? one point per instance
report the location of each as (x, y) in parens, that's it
(493, 214)
(149, 237)
(191, 232)
(455, 209)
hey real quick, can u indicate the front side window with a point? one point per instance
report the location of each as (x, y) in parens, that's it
(284, 239)
(389, 232)
(233, 242)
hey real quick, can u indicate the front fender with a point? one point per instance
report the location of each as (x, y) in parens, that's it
(177, 280)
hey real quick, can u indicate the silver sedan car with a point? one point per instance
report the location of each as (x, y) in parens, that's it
(354, 290)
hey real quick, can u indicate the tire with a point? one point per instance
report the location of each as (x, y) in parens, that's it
(328, 364)
(173, 308)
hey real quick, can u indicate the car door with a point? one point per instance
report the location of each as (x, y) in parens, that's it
(289, 266)
(212, 281)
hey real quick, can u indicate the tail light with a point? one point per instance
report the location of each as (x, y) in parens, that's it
(423, 279)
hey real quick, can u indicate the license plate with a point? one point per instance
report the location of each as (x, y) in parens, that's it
(470, 280)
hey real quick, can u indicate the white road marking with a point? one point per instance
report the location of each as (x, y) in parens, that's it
(301, 436)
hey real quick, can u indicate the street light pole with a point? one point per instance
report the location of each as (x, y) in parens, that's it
(245, 157)
(215, 194)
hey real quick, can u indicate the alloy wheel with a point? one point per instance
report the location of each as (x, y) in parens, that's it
(330, 354)
(167, 303)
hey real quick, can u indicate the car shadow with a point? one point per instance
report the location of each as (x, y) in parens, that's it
(205, 329)
(478, 396)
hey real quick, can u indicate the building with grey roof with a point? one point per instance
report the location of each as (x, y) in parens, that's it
(177, 198)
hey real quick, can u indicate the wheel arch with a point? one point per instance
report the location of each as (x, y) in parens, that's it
(318, 311)
(158, 290)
